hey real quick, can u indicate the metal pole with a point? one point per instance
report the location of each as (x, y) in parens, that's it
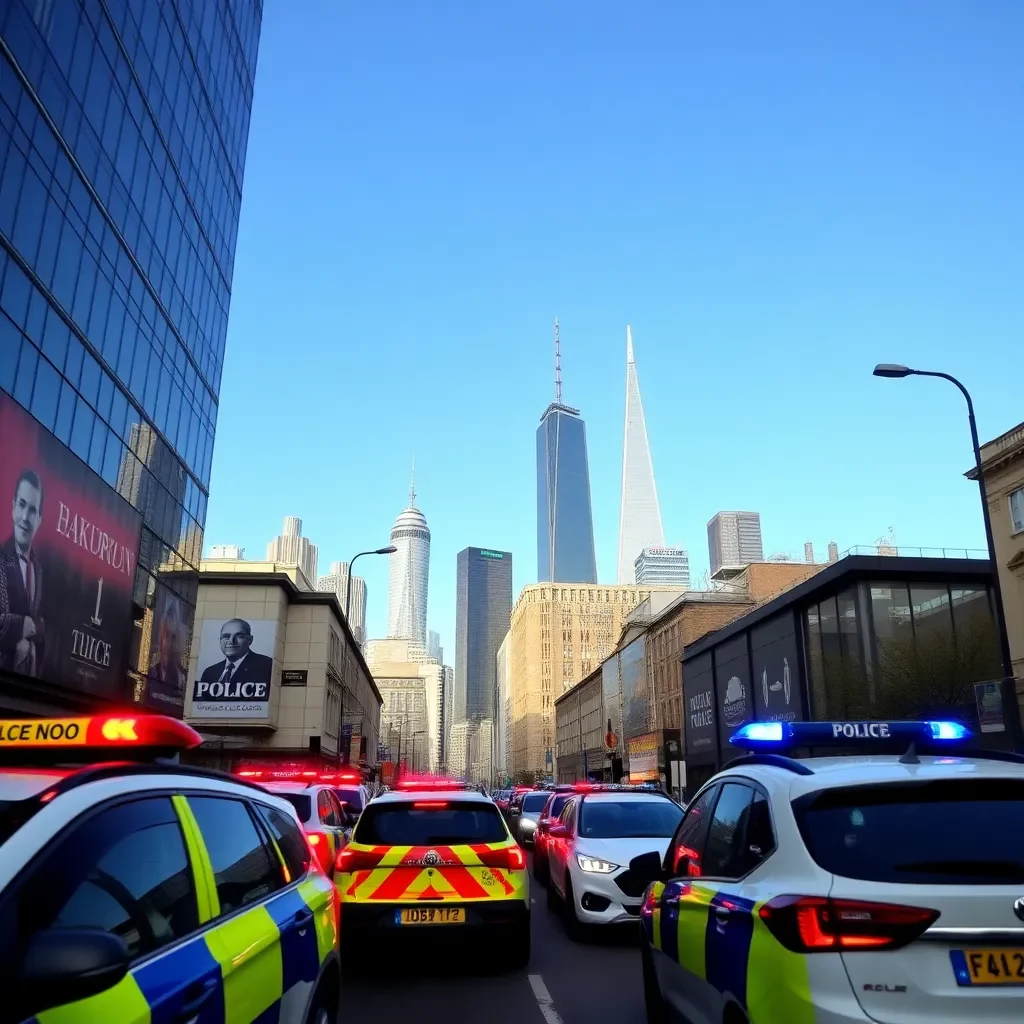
(1009, 690)
(344, 671)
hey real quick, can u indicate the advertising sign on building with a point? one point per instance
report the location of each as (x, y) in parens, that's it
(236, 662)
(68, 554)
(699, 713)
(168, 671)
(732, 689)
(643, 757)
(778, 695)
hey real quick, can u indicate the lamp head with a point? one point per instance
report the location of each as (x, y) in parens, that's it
(892, 370)
(389, 550)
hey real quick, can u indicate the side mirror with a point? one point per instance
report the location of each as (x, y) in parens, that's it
(647, 868)
(558, 832)
(65, 965)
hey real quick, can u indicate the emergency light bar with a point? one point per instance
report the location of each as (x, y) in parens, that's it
(780, 736)
(63, 738)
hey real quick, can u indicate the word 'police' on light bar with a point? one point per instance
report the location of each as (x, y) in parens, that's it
(98, 731)
(788, 735)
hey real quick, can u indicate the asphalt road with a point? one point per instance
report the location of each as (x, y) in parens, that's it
(566, 983)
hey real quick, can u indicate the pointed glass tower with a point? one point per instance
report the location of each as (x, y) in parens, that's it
(639, 514)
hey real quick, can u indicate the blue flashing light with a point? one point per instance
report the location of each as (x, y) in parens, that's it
(781, 736)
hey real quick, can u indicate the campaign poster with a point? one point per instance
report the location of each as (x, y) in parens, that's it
(236, 663)
(167, 672)
(68, 554)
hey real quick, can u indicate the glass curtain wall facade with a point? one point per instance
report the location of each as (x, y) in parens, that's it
(565, 522)
(123, 134)
(483, 615)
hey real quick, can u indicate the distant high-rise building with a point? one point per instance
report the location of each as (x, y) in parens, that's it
(409, 575)
(483, 611)
(447, 697)
(734, 540)
(663, 567)
(230, 551)
(639, 513)
(565, 522)
(808, 552)
(291, 548)
(434, 648)
(833, 551)
(336, 582)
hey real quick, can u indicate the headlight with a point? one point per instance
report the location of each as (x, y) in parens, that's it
(595, 864)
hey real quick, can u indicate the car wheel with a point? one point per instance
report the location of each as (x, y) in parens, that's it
(574, 928)
(517, 945)
(654, 1002)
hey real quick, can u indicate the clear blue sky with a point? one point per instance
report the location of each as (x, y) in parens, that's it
(776, 195)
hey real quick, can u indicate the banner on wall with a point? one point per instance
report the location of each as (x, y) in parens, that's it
(643, 757)
(236, 663)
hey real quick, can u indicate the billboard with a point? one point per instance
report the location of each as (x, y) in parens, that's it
(732, 689)
(68, 555)
(236, 662)
(167, 672)
(778, 695)
(700, 727)
(636, 703)
(643, 758)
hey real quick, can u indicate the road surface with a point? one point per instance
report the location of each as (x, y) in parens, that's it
(566, 983)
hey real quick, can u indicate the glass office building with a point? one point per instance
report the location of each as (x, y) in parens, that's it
(123, 134)
(565, 522)
(483, 615)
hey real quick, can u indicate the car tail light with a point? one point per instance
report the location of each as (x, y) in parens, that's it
(814, 924)
(321, 849)
(349, 860)
(510, 858)
(435, 805)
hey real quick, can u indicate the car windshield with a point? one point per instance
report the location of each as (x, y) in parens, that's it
(446, 822)
(629, 819)
(533, 803)
(939, 832)
(300, 801)
(352, 797)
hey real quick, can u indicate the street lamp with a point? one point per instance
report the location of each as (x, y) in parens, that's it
(1009, 690)
(389, 550)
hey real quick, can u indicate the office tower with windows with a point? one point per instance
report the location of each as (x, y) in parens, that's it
(663, 567)
(123, 135)
(639, 513)
(336, 582)
(291, 548)
(409, 575)
(483, 612)
(734, 540)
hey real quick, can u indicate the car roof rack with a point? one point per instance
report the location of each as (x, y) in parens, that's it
(789, 764)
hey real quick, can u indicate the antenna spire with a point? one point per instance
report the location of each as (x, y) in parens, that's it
(412, 485)
(558, 366)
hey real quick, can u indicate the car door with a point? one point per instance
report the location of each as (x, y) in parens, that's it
(559, 847)
(678, 929)
(124, 868)
(329, 813)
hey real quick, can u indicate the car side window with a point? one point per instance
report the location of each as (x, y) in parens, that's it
(758, 834)
(328, 815)
(724, 854)
(289, 838)
(688, 843)
(124, 871)
(569, 816)
(244, 867)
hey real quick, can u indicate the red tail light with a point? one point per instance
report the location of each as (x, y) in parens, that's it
(435, 805)
(349, 860)
(511, 858)
(813, 924)
(321, 850)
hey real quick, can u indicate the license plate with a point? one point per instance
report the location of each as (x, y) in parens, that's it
(431, 915)
(994, 966)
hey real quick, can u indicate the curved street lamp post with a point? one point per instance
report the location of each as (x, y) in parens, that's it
(1008, 686)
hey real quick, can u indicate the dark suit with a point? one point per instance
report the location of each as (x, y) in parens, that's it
(15, 606)
(254, 668)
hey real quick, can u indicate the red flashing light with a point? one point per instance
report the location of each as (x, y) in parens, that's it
(106, 732)
(430, 804)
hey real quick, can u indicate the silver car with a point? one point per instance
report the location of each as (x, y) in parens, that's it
(529, 814)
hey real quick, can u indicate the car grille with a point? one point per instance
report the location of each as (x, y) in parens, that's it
(630, 884)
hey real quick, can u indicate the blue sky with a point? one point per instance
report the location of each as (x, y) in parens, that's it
(776, 195)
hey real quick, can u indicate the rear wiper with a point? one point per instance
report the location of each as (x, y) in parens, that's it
(996, 868)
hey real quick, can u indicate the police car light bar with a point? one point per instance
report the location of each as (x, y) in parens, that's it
(96, 732)
(780, 736)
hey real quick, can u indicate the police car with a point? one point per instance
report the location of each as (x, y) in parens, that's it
(431, 862)
(885, 887)
(133, 889)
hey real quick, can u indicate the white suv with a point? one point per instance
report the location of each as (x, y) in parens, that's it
(589, 853)
(876, 887)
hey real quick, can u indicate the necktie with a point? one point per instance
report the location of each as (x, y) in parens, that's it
(30, 583)
(226, 674)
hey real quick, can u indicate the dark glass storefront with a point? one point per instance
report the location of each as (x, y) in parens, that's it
(866, 638)
(123, 132)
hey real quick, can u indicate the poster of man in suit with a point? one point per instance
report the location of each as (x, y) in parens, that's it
(21, 581)
(236, 664)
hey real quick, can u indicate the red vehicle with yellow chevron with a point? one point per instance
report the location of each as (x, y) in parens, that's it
(434, 861)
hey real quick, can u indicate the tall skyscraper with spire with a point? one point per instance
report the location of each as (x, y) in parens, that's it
(565, 522)
(639, 513)
(409, 573)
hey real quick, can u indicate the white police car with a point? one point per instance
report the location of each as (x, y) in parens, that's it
(885, 887)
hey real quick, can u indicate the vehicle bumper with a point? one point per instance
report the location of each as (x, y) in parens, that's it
(599, 900)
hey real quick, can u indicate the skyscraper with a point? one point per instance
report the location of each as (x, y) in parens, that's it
(565, 522)
(639, 514)
(734, 540)
(336, 582)
(291, 548)
(483, 612)
(434, 648)
(663, 567)
(123, 136)
(409, 575)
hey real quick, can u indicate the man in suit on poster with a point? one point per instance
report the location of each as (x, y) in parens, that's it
(21, 582)
(240, 664)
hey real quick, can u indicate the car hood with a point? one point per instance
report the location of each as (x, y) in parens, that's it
(621, 851)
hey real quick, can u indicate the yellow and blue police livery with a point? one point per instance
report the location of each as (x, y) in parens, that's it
(140, 891)
(886, 886)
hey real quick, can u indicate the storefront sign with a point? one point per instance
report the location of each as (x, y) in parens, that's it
(294, 676)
